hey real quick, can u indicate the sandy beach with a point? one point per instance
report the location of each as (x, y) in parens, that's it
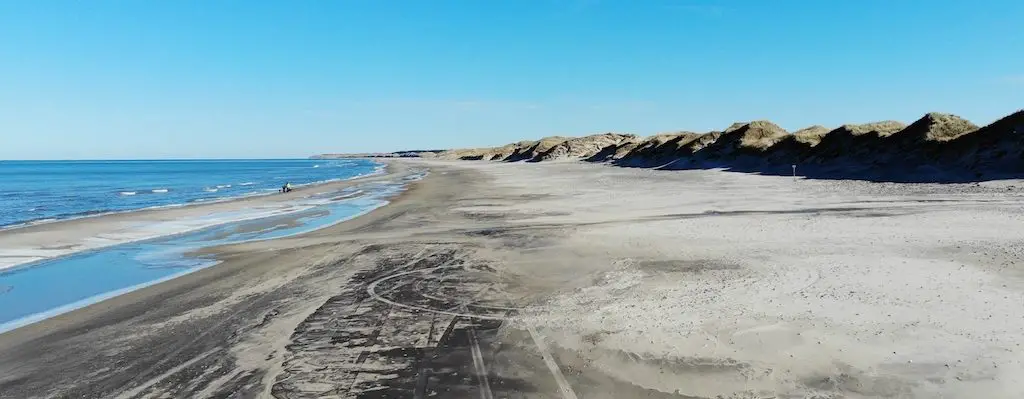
(574, 280)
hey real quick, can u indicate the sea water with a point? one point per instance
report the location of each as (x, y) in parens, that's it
(44, 289)
(42, 191)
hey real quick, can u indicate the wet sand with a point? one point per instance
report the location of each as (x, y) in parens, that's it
(578, 281)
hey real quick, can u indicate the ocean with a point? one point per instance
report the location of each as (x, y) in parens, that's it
(42, 191)
(37, 290)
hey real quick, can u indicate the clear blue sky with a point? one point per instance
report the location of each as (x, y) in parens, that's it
(190, 78)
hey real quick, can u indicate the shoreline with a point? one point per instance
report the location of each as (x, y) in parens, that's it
(499, 280)
(188, 251)
(226, 262)
(25, 245)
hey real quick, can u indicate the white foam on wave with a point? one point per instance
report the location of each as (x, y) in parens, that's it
(223, 186)
(160, 190)
(318, 182)
(128, 193)
(26, 224)
(214, 199)
(377, 171)
(348, 195)
(379, 198)
(162, 229)
(108, 239)
(11, 258)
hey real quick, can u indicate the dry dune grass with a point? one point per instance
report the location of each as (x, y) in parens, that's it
(624, 149)
(760, 135)
(500, 152)
(811, 135)
(882, 128)
(942, 127)
(936, 140)
(702, 141)
(743, 138)
(660, 139)
(659, 148)
(532, 150)
(583, 147)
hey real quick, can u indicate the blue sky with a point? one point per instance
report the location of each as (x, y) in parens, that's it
(158, 79)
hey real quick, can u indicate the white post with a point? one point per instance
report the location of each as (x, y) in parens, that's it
(794, 172)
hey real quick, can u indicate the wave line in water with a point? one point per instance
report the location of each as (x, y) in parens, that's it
(62, 189)
(130, 266)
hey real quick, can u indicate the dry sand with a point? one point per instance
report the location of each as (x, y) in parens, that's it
(570, 280)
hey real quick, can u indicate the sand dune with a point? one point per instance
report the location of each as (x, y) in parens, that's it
(583, 147)
(660, 146)
(744, 139)
(936, 148)
(811, 135)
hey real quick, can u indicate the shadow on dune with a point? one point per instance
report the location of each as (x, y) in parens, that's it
(938, 148)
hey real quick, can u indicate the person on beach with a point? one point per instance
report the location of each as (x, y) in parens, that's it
(287, 187)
